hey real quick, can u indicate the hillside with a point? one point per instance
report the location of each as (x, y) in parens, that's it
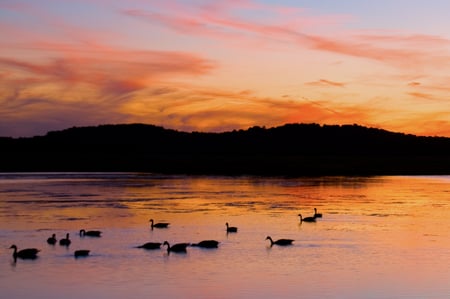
(292, 149)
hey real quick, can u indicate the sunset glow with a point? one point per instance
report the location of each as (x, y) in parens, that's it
(198, 65)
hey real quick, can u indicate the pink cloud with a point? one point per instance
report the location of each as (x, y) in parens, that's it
(421, 95)
(324, 82)
(218, 23)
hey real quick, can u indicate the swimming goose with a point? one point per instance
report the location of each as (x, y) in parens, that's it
(179, 247)
(90, 233)
(65, 242)
(281, 242)
(231, 229)
(207, 244)
(28, 253)
(81, 252)
(150, 245)
(317, 215)
(159, 224)
(307, 219)
(52, 240)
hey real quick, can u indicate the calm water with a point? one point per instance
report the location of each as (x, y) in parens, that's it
(380, 237)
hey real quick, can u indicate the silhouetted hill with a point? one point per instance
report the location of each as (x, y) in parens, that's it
(292, 149)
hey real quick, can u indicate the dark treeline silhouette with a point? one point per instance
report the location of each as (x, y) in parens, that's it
(291, 149)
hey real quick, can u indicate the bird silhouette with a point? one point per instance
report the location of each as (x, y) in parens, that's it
(52, 240)
(150, 245)
(317, 215)
(179, 247)
(65, 242)
(281, 242)
(159, 224)
(207, 244)
(90, 233)
(28, 253)
(231, 229)
(307, 219)
(81, 253)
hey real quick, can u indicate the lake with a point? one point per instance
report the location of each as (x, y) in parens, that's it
(379, 237)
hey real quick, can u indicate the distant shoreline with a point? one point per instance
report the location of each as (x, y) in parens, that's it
(289, 150)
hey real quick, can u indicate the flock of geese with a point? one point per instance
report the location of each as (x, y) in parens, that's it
(32, 253)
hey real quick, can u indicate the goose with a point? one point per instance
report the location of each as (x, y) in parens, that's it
(159, 224)
(28, 253)
(52, 240)
(81, 252)
(207, 244)
(307, 219)
(231, 229)
(65, 242)
(281, 242)
(90, 233)
(150, 245)
(179, 247)
(317, 215)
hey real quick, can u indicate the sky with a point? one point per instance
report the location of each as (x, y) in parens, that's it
(214, 66)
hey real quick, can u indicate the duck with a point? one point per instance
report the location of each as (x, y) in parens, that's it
(179, 247)
(65, 242)
(231, 229)
(52, 240)
(159, 224)
(281, 242)
(27, 253)
(317, 215)
(207, 244)
(81, 253)
(307, 219)
(150, 245)
(90, 233)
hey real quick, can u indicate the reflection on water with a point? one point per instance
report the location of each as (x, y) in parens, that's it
(380, 237)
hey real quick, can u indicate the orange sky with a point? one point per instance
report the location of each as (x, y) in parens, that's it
(223, 65)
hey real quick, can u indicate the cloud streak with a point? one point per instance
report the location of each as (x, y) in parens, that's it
(399, 50)
(63, 72)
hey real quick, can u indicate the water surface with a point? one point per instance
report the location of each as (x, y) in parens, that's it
(380, 237)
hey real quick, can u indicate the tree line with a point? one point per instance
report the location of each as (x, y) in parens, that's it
(291, 149)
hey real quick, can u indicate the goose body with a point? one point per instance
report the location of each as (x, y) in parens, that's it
(150, 245)
(28, 253)
(90, 233)
(281, 242)
(179, 247)
(159, 224)
(52, 240)
(317, 215)
(81, 252)
(307, 219)
(207, 244)
(65, 242)
(231, 229)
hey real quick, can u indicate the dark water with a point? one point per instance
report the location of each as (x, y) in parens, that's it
(380, 237)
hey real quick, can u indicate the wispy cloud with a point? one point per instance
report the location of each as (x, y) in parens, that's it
(80, 74)
(400, 50)
(324, 82)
